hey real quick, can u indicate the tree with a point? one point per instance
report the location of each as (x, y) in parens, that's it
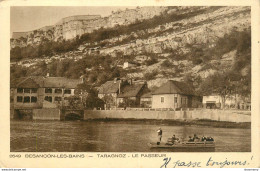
(89, 96)
(75, 102)
(15, 54)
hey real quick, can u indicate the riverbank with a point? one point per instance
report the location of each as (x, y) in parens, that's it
(206, 123)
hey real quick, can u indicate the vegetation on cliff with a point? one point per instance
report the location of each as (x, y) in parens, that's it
(48, 48)
(224, 77)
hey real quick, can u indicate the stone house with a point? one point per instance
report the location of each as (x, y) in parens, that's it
(175, 95)
(146, 100)
(108, 92)
(42, 92)
(130, 94)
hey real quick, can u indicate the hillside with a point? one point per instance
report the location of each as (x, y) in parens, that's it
(194, 44)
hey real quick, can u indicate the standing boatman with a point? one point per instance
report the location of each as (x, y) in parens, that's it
(159, 131)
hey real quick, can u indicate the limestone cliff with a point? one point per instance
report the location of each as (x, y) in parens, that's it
(70, 27)
(171, 42)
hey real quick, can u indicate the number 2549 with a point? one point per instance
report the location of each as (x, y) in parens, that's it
(15, 156)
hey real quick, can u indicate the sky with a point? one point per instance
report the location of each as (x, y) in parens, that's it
(31, 18)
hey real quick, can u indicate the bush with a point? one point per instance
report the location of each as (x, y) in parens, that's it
(167, 64)
(151, 61)
(151, 75)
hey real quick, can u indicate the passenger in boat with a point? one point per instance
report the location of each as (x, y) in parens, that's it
(190, 139)
(203, 138)
(159, 131)
(210, 139)
(195, 138)
(174, 139)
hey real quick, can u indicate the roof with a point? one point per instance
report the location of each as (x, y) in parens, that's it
(14, 82)
(131, 90)
(147, 95)
(109, 87)
(174, 87)
(28, 83)
(39, 81)
(61, 82)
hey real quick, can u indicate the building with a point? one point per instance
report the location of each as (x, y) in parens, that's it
(232, 101)
(130, 94)
(174, 95)
(108, 92)
(212, 102)
(146, 100)
(42, 92)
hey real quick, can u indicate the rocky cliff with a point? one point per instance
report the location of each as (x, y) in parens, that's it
(163, 43)
(70, 27)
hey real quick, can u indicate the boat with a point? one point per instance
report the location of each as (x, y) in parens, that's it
(184, 146)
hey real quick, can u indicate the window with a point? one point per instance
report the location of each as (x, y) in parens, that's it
(33, 99)
(58, 90)
(175, 99)
(48, 90)
(34, 90)
(26, 90)
(19, 98)
(26, 99)
(48, 98)
(67, 91)
(162, 99)
(19, 90)
(57, 99)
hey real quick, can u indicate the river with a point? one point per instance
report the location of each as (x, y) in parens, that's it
(114, 136)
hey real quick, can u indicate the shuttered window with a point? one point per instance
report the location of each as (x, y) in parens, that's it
(20, 99)
(33, 99)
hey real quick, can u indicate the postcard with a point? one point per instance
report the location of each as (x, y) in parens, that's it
(149, 84)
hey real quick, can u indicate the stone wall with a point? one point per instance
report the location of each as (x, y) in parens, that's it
(215, 115)
(46, 114)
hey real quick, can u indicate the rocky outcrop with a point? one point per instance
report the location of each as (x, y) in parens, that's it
(200, 29)
(70, 27)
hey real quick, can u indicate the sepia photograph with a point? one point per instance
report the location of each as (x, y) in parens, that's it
(130, 79)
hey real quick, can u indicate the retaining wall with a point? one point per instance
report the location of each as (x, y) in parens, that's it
(47, 114)
(216, 115)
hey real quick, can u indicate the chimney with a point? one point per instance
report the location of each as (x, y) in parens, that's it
(119, 87)
(131, 81)
(82, 79)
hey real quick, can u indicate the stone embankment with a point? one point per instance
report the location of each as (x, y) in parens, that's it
(189, 115)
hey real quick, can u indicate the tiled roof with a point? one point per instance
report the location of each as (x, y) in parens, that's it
(174, 87)
(28, 83)
(147, 95)
(131, 90)
(14, 82)
(109, 87)
(61, 82)
(52, 82)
